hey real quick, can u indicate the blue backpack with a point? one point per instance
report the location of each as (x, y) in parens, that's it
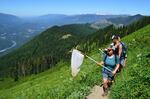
(124, 50)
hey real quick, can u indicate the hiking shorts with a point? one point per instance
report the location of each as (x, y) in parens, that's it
(107, 74)
(122, 60)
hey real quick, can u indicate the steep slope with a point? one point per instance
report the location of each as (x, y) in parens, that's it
(58, 82)
(22, 29)
(104, 35)
(134, 80)
(45, 50)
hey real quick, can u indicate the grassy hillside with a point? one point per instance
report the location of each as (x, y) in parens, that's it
(135, 79)
(58, 82)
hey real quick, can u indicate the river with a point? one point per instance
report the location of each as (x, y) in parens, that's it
(13, 45)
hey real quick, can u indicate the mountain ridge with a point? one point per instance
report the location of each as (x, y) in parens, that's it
(58, 83)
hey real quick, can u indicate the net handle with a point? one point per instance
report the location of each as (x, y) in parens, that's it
(97, 63)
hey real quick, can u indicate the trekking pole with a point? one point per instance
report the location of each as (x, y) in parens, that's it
(97, 62)
(102, 51)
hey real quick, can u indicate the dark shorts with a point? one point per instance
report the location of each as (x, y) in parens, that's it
(107, 74)
(122, 60)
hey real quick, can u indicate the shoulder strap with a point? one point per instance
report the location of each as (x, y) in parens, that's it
(105, 58)
(115, 58)
(123, 45)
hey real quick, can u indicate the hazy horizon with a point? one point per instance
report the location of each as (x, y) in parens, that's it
(71, 14)
(29, 8)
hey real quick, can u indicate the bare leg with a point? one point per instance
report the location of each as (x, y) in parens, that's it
(105, 86)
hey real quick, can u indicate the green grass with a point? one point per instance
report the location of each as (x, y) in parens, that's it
(57, 83)
(134, 81)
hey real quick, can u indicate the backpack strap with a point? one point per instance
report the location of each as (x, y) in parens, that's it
(124, 49)
(105, 58)
(115, 58)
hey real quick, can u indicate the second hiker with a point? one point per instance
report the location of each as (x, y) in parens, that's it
(120, 50)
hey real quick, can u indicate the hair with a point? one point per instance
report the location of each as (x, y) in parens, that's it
(113, 51)
(119, 39)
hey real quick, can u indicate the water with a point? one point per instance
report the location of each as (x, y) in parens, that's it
(13, 45)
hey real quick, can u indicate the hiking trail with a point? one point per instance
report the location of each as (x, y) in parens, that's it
(96, 93)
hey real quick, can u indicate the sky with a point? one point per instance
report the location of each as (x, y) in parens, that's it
(71, 7)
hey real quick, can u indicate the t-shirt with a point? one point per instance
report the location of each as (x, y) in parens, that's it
(111, 61)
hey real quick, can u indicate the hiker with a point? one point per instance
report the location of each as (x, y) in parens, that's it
(110, 61)
(120, 50)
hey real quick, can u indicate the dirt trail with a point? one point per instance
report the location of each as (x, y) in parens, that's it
(96, 93)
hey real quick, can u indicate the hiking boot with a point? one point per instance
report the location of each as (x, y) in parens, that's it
(105, 93)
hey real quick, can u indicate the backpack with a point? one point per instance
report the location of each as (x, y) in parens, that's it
(124, 50)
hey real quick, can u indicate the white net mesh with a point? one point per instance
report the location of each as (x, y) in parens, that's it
(76, 61)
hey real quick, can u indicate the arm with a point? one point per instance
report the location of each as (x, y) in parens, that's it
(120, 51)
(117, 67)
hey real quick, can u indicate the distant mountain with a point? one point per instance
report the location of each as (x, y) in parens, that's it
(21, 30)
(116, 21)
(8, 22)
(89, 18)
(51, 17)
(101, 24)
(9, 19)
(125, 20)
(15, 29)
(60, 19)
